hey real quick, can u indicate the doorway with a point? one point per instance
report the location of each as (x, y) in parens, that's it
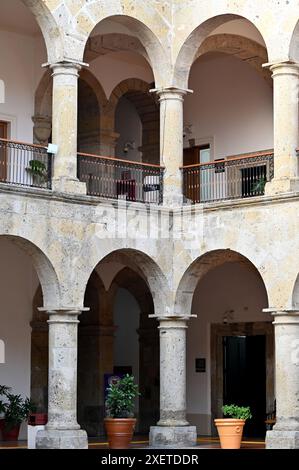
(242, 371)
(244, 378)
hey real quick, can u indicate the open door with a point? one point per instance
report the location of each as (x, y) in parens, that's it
(192, 184)
(3, 152)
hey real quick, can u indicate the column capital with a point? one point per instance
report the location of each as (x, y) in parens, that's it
(173, 318)
(66, 64)
(283, 316)
(64, 311)
(171, 93)
(283, 68)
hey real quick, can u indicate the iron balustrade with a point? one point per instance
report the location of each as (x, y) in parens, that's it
(25, 164)
(241, 176)
(113, 178)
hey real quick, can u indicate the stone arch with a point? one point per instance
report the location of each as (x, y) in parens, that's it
(146, 267)
(102, 44)
(294, 44)
(44, 268)
(194, 41)
(137, 91)
(43, 104)
(52, 34)
(158, 58)
(199, 268)
(91, 102)
(245, 49)
(295, 294)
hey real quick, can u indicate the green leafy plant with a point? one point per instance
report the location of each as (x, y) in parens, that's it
(259, 186)
(237, 412)
(14, 408)
(121, 396)
(38, 170)
(4, 390)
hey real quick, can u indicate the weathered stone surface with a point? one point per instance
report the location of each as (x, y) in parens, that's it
(172, 437)
(55, 439)
(282, 440)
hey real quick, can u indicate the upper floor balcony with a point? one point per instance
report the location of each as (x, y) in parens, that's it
(234, 177)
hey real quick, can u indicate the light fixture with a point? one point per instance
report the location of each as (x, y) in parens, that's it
(130, 145)
(228, 316)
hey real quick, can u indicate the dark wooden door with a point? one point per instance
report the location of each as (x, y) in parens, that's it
(191, 177)
(3, 152)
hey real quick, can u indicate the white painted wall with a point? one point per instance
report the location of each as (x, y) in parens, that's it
(18, 284)
(112, 69)
(126, 345)
(241, 28)
(21, 57)
(128, 126)
(232, 286)
(232, 103)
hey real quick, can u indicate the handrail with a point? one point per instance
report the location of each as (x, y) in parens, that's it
(23, 143)
(115, 159)
(233, 158)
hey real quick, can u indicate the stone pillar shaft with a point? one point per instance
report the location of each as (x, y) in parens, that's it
(64, 126)
(172, 373)
(171, 143)
(62, 429)
(285, 433)
(285, 100)
(62, 407)
(173, 430)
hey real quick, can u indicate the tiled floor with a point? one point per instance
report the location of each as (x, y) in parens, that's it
(142, 442)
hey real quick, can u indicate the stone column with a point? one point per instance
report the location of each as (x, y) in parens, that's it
(62, 430)
(173, 429)
(285, 84)
(64, 127)
(171, 143)
(285, 434)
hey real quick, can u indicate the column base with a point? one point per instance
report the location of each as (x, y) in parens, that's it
(173, 436)
(284, 185)
(57, 439)
(282, 440)
(71, 186)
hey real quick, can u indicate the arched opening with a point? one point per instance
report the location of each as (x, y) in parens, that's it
(230, 347)
(229, 117)
(29, 37)
(117, 337)
(23, 267)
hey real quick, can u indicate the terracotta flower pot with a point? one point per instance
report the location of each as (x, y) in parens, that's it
(230, 432)
(119, 432)
(11, 434)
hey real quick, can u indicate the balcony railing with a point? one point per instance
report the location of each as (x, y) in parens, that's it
(113, 178)
(241, 176)
(25, 164)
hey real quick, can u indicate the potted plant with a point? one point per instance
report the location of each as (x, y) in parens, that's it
(38, 171)
(230, 429)
(3, 391)
(15, 410)
(120, 422)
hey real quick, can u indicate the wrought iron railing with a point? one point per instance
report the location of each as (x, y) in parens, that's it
(113, 178)
(25, 164)
(240, 176)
